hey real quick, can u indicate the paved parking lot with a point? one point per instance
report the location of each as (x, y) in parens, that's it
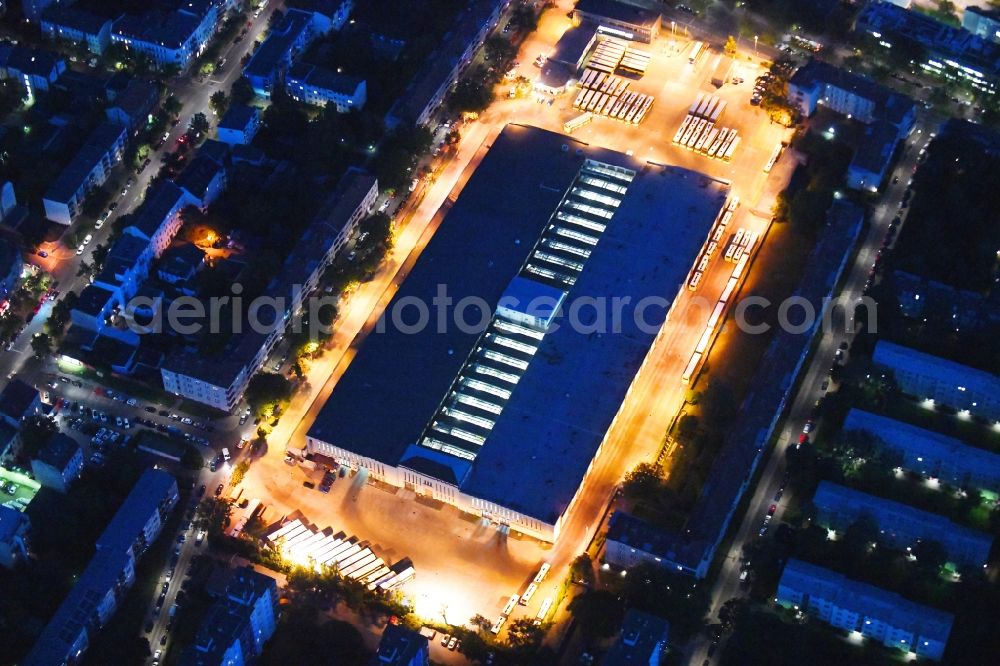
(462, 567)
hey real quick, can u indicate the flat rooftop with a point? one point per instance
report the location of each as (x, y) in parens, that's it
(971, 379)
(928, 444)
(867, 600)
(894, 517)
(618, 11)
(542, 436)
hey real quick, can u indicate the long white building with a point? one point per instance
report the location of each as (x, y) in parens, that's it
(872, 612)
(504, 419)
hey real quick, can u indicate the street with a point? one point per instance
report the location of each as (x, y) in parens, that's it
(727, 584)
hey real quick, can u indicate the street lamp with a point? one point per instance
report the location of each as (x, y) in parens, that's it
(755, 46)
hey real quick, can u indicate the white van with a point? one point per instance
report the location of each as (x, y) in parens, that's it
(225, 454)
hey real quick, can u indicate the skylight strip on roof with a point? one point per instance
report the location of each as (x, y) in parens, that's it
(504, 358)
(479, 403)
(485, 387)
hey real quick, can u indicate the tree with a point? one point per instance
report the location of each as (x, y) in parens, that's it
(299, 638)
(732, 612)
(212, 515)
(239, 472)
(379, 229)
(524, 18)
(473, 93)
(598, 612)
(930, 554)
(643, 483)
(60, 314)
(219, 102)
(858, 539)
(730, 48)
(241, 92)
(172, 106)
(41, 344)
(36, 431)
(199, 122)
(582, 570)
(499, 50)
(481, 622)
(524, 635)
(96, 200)
(266, 392)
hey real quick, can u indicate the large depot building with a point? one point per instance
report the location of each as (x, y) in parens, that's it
(506, 420)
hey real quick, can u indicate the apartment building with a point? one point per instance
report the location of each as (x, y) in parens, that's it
(239, 125)
(930, 377)
(400, 646)
(35, 69)
(89, 169)
(285, 42)
(235, 629)
(15, 528)
(642, 640)
(931, 454)
(864, 609)
(900, 526)
(77, 26)
(319, 86)
(110, 573)
(221, 382)
(172, 37)
(967, 55)
(425, 94)
(58, 463)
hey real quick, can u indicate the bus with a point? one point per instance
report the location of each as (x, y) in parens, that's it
(734, 243)
(712, 102)
(718, 142)
(511, 604)
(697, 102)
(710, 140)
(526, 597)
(684, 125)
(702, 124)
(689, 131)
(542, 572)
(697, 49)
(544, 610)
(689, 370)
(705, 136)
(647, 105)
(725, 143)
(700, 111)
(249, 514)
(731, 149)
(720, 107)
(619, 102)
(573, 125)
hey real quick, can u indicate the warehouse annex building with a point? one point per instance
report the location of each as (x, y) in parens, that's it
(505, 421)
